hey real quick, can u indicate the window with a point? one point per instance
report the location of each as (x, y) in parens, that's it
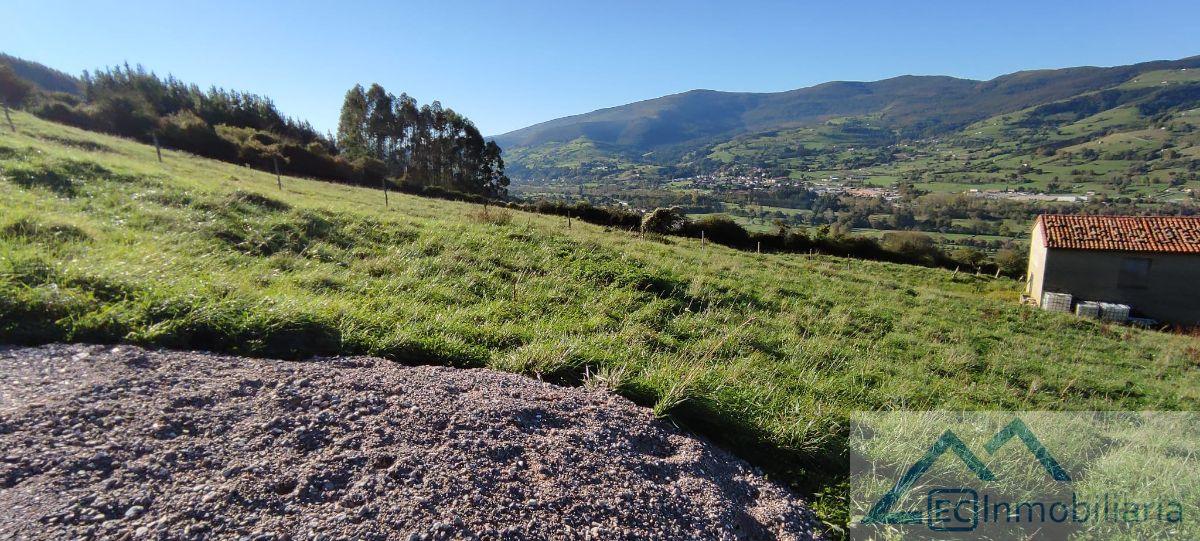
(1135, 273)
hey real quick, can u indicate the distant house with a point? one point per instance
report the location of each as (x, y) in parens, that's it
(1151, 263)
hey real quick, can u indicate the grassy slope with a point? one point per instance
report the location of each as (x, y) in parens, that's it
(100, 242)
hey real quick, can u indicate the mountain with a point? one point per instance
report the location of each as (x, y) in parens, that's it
(664, 131)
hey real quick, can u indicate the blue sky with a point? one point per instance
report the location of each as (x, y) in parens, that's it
(507, 65)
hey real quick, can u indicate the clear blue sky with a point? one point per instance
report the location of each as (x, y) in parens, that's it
(506, 64)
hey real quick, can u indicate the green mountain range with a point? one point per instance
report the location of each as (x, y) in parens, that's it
(701, 131)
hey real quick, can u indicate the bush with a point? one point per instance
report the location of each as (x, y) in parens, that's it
(312, 160)
(13, 89)
(187, 131)
(665, 221)
(61, 111)
(370, 171)
(912, 246)
(1011, 261)
(720, 229)
(606, 216)
(969, 256)
(124, 114)
(252, 147)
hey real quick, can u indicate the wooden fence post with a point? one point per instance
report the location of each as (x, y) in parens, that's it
(701, 237)
(383, 182)
(568, 220)
(278, 179)
(157, 147)
(8, 117)
(758, 247)
(997, 272)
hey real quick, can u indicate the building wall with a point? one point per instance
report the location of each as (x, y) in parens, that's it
(1171, 293)
(1037, 262)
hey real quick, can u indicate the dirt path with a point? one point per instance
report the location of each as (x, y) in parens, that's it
(125, 443)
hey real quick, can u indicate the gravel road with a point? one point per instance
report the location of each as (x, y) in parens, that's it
(127, 443)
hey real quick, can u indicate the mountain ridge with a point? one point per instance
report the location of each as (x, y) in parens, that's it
(913, 105)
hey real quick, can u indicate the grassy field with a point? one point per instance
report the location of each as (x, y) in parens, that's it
(768, 354)
(1140, 457)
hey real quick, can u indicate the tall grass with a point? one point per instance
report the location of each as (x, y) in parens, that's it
(766, 354)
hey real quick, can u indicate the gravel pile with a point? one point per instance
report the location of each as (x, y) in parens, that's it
(127, 443)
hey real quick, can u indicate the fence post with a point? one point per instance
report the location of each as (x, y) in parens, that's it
(383, 182)
(278, 179)
(157, 147)
(568, 220)
(758, 247)
(8, 117)
(997, 273)
(701, 237)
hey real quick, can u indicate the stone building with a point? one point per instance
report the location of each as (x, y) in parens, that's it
(1151, 263)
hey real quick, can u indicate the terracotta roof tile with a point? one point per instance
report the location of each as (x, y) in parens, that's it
(1168, 234)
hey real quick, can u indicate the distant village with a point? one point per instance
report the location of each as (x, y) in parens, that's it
(852, 185)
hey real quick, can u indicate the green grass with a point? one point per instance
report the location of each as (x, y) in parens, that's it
(1164, 77)
(766, 354)
(1138, 457)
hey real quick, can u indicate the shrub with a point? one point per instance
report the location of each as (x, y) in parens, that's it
(1011, 261)
(60, 107)
(13, 89)
(187, 131)
(124, 114)
(912, 246)
(664, 220)
(721, 229)
(607, 216)
(969, 256)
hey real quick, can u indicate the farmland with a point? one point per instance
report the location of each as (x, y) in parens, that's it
(1133, 144)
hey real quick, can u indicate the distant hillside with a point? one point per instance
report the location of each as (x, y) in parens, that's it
(663, 130)
(44, 77)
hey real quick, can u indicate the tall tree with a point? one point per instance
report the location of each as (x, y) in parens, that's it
(352, 136)
(428, 145)
(378, 120)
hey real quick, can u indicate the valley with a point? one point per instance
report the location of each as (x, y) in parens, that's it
(1131, 145)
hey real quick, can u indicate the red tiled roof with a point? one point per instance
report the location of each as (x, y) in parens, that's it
(1169, 234)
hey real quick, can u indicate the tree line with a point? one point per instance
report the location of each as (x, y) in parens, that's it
(382, 139)
(395, 137)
